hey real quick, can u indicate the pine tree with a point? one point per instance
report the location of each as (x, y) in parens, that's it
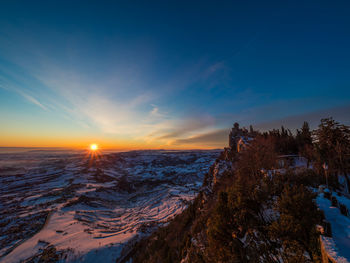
(304, 142)
(295, 228)
(333, 147)
(224, 245)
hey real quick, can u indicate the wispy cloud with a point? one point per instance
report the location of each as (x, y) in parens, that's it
(26, 96)
(33, 100)
(156, 113)
(216, 139)
(186, 127)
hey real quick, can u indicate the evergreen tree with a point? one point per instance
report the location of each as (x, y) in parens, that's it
(251, 130)
(333, 147)
(222, 233)
(304, 141)
(295, 228)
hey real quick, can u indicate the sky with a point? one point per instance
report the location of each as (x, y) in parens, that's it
(168, 74)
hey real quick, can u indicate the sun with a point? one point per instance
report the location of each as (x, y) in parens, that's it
(93, 152)
(93, 147)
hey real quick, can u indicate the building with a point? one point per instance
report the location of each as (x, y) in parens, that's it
(239, 138)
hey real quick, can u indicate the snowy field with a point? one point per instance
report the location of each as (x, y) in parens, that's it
(87, 209)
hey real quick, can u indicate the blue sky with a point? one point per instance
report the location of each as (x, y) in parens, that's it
(166, 74)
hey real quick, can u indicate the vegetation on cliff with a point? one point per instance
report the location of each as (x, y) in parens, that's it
(257, 205)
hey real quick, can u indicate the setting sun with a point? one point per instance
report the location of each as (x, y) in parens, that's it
(93, 147)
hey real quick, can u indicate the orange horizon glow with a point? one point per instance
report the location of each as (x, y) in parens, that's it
(31, 138)
(116, 147)
(85, 143)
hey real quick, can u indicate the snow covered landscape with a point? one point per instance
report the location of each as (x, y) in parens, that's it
(87, 208)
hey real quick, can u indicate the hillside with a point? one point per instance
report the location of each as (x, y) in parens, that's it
(258, 202)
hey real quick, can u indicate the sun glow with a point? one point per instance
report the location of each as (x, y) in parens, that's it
(93, 147)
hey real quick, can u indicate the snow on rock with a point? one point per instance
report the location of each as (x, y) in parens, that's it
(331, 250)
(343, 200)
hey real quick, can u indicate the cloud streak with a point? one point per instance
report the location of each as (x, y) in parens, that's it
(187, 126)
(33, 100)
(214, 139)
(26, 96)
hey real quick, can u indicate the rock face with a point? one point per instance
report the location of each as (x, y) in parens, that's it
(216, 171)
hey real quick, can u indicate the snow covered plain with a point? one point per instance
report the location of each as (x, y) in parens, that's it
(89, 208)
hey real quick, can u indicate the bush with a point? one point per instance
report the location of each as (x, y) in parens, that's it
(334, 201)
(327, 228)
(49, 254)
(343, 209)
(327, 195)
